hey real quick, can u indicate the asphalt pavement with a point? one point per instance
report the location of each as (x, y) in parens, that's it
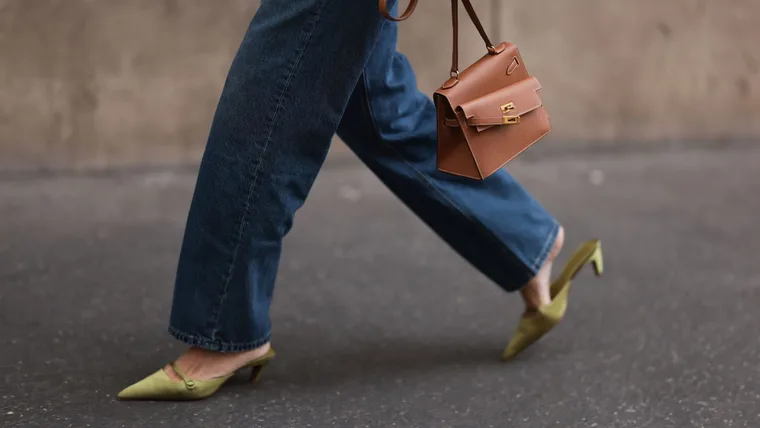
(377, 323)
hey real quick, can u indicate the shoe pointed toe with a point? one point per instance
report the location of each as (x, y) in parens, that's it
(515, 346)
(151, 388)
(159, 386)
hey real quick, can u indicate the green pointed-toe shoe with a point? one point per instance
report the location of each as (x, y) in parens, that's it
(534, 325)
(159, 386)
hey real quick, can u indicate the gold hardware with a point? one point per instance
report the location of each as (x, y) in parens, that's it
(506, 108)
(509, 120)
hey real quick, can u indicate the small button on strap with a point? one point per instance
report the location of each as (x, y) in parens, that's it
(189, 383)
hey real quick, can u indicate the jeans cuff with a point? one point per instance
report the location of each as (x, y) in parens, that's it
(538, 263)
(547, 249)
(216, 344)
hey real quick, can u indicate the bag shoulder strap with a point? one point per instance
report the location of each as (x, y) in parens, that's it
(455, 21)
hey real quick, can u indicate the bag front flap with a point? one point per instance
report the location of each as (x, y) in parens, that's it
(503, 106)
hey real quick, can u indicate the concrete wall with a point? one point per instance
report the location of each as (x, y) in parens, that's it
(99, 82)
(616, 71)
(96, 83)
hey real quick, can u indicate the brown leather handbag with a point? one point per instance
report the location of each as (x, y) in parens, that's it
(488, 113)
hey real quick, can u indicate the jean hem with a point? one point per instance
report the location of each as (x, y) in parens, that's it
(540, 260)
(547, 249)
(217, 345)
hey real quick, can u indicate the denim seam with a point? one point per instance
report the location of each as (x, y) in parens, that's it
(217, 345)
(452, 205)
(257, 169)
(550, 239)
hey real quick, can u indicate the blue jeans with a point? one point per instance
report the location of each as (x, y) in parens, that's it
(306, 70)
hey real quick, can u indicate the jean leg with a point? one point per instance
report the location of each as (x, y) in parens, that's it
(495, 224)
(281, 104)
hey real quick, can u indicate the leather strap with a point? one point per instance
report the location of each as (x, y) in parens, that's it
(483, 121)
(475, 20)
(454, 73)
(387, 13)
(455, 24)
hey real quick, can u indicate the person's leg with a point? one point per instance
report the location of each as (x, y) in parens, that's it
(283, 99)
(494, 224)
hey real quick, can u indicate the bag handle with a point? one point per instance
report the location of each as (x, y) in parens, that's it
(387, 13)
(455, 24)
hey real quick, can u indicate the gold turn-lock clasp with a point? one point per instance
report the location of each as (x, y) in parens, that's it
(509, 120)
(506, 108)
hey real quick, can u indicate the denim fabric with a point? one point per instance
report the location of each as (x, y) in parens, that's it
(306, 70)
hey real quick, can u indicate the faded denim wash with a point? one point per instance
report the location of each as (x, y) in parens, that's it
(306, 70)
